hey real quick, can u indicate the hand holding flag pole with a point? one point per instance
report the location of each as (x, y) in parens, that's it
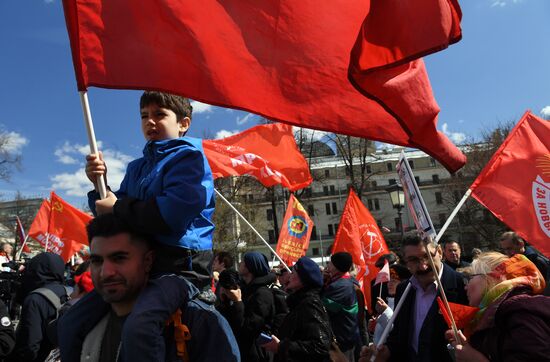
(101, 187)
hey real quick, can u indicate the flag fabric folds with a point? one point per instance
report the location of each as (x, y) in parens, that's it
(295, 232)
(515, 183)
(267, 152)
(60, 228)
(462, 314)
(359, 235)
(286, 60)
(383, 275)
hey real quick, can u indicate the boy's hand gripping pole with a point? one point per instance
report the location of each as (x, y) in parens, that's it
(101, 187)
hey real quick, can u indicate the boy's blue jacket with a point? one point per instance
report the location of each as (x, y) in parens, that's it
(169, 193)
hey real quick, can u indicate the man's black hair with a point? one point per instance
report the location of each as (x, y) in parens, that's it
(225, 258)
(450, 241)
(108, 225)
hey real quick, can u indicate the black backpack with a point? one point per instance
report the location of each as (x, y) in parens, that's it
(281, 309)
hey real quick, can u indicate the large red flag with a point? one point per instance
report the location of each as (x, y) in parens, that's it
(515, 183)
(267, 152)
(359, 235)
(60, 227)
(295, 232)
(287, 60)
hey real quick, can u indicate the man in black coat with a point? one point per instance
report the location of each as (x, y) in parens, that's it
(43, 271)
(418, 333)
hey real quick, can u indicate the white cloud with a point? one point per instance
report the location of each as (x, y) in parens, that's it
(14, 142)
(545, 112)
(309, 134)
(502, 3)
(456, 137)
(199, 107)
(225, 133)
(49, 1)
(242, 120)
(76, 183)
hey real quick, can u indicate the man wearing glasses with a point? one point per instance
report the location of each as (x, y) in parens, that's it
(418, 331)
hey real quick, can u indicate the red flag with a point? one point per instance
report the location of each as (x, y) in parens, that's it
(267, 152)
(383, 275)
(359, 235)
(286, 60)
(295, 232)
(60, 227)
(21, 234)
(515, 183)
(462, 314)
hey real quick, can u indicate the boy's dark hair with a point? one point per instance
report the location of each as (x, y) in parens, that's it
(108, 225)
(449, 242)
(225, 258)
(178, 104)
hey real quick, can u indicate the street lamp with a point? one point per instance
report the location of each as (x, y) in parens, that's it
(397, 198)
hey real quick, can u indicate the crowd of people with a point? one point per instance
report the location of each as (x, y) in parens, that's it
(153, 290)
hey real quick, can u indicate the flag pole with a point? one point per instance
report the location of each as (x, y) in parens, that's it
(392, 319)
(253, 229)
(452, 216)
(101, 188)
(440, 286)
(18, 254)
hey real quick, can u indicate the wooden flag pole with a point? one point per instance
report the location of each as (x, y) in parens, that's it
(440, 287)
(253, 229)
(101, 187)
(18, 254)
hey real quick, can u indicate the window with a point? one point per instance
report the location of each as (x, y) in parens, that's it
(392, 181)
(376, 204)
(308, 192)
(368, 168)
(442, 219)
(417, 179)
(369, 204)
(389, 166)
(327, 208)
(271, 236)
(336, 227)
(438, 198)
(347, 171)
(310, 210)
(315, 251)
(435, 179)
(332, 190)
(411, 163)
(325, 190)
(314, 233)
(432, 162)
(334, 208)
(327, 173)
(269, 214)
(330, 230)
(250, 197)
(374, 184)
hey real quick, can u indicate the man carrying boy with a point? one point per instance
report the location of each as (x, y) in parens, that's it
(167, 193)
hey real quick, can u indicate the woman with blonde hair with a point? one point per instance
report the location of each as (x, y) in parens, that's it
(513, 321)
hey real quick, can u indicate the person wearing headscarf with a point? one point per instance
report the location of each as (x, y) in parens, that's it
(340, 300)
(305, 332)
(252, 306)
(43, 271)
(513, 321)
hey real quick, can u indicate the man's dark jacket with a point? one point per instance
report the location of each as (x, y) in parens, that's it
(305, 332)
(43, 271)
(432, 346)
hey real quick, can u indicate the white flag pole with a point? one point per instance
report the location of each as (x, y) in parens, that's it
(253, 229)
(102, 189)
(18, 254)
(452, 216)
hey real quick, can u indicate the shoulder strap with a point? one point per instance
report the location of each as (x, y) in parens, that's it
(53, 298)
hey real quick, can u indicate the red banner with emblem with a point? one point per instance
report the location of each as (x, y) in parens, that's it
(515, 183)
(267, 152)
(295, 232)
(359, 235)
(60, 227)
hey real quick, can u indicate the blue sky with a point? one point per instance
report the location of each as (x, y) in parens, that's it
(498, 70)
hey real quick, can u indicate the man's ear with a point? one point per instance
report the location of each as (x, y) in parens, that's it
(184, 125)
(149, 257)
